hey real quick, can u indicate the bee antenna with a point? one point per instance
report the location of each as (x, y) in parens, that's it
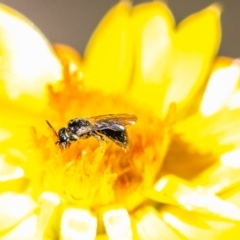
(48, 123)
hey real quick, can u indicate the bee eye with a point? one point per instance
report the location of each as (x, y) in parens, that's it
(63, 135)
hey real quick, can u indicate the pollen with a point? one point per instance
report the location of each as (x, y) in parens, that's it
(95, 174)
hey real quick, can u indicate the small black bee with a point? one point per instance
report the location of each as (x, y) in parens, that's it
(111, 126)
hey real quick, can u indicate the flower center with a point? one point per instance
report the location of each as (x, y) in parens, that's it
(91, 173)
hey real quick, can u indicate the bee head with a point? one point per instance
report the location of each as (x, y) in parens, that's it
(64, 138)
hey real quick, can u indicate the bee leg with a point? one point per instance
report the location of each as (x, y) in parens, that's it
(73, 137)
(100, 138)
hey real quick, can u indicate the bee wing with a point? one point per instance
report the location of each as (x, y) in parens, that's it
(123, 119)
(115, 122)
(84, 130)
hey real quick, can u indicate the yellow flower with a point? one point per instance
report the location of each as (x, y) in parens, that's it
(179, 178)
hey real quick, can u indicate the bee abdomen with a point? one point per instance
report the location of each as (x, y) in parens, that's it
(119, 137)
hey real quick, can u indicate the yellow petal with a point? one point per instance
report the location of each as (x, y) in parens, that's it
(70, 57)
(150, 225)
(152, 27)
(231, 233)
(27, 60)
(196, 226)
(78, 224)
(108, 56)
(9, 172)
(48, 203)
(215, 134)
(24, 230)
(196, 44)
(173, 190)
(228, 166)
(118, 224)
(223, 80)
(14, 207)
